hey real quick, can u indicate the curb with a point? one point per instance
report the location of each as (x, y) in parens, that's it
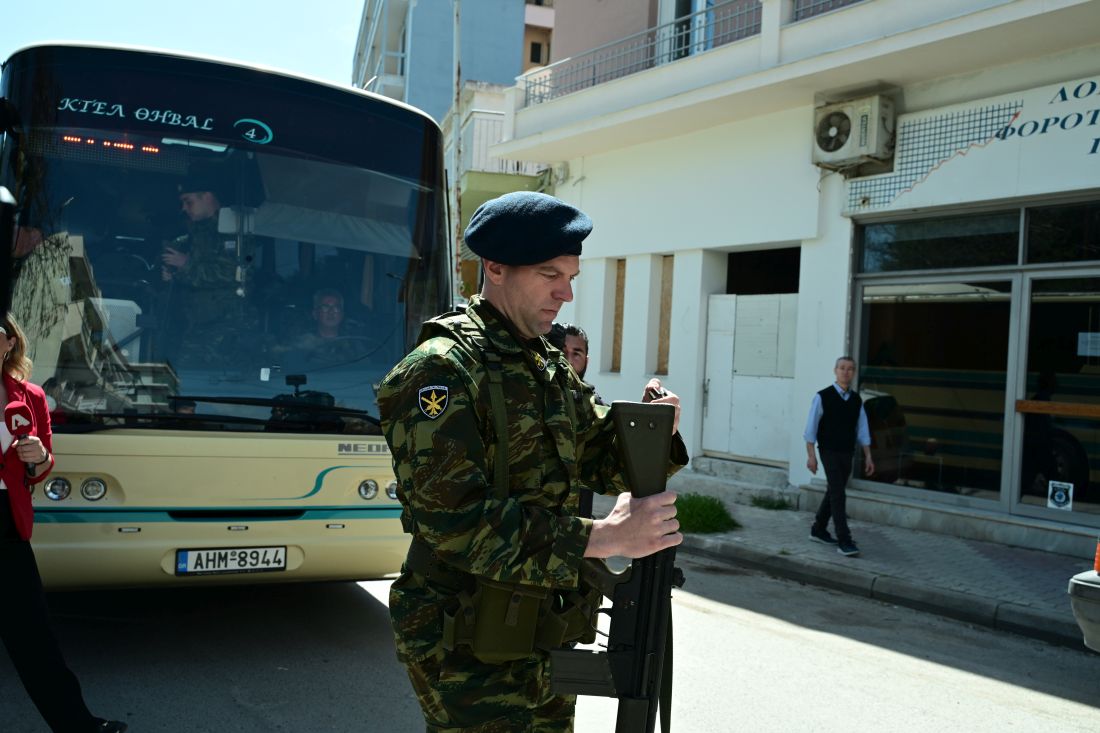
(982, 610)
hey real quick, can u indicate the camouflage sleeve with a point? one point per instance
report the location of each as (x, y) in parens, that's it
(438, 441)
(207, 265)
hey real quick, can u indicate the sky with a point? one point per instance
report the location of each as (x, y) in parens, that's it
(311, 37)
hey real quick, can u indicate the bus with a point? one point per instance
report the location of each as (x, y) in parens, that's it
(215, 265)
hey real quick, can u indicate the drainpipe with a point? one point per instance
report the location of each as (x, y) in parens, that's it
(456, 129)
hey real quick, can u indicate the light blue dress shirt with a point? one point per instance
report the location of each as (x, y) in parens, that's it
(863, 433)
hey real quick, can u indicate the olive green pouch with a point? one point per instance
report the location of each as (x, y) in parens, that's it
(499, 622)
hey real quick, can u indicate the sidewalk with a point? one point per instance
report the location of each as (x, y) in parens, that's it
(1009, 588)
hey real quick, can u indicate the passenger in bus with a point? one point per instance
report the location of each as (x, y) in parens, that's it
(334, 337)
(495, 518)
(24, 618)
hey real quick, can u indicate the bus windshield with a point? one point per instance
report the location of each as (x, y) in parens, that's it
(247, 255)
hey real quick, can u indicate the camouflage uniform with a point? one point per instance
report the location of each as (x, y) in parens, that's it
(215, 317)
(438, 420)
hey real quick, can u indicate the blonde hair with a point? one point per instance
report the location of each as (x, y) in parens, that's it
(16, 362)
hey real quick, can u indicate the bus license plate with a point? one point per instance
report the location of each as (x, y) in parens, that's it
(230, 560)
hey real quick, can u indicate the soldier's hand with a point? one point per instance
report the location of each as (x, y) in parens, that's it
(173, 258)
(636, 527)
(654, 392)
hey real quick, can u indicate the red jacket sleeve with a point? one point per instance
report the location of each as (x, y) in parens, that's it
(36, 400)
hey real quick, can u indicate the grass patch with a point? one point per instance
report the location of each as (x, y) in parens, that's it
(777, 503)
(703, 514)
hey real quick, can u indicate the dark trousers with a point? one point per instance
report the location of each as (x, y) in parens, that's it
(32, 646)
(838, 467)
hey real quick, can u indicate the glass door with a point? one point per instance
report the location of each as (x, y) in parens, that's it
(934, 382)
(1058, 460)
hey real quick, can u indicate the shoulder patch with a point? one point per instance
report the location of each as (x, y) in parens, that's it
(433, 400)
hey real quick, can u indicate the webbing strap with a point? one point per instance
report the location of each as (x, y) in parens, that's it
(665, 698)
(495, 369)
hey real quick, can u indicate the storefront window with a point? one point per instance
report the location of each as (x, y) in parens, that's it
(1060, 457)
(1063, 233)
(933, 379)
(933, 244)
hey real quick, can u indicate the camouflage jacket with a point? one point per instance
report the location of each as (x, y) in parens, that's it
(438, 420)
(437, 417)
(211, 263)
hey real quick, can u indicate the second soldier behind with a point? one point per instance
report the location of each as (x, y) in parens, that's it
(492, 436)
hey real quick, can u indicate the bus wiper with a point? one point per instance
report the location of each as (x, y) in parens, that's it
(284, 402)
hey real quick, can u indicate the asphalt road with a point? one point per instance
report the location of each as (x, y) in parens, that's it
(753, 653)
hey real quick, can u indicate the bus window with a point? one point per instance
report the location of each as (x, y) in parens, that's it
(215, 266)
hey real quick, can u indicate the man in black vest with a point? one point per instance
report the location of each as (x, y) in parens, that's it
(836, 423)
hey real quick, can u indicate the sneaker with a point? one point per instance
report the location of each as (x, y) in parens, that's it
(848, 549)
(822, 536)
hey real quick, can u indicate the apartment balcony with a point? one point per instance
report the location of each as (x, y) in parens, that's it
(746, 58)
(379, 61)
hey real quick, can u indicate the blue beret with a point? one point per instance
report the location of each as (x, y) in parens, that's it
(525, 228)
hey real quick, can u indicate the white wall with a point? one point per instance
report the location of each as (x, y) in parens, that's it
(697, 196)
(823, 314)
(744, 183)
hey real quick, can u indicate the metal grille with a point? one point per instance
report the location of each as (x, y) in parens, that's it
(686, 36)
(809, 8)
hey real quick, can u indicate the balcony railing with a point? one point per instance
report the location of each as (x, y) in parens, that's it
(686, 36)
(809, 8)
(482, 129)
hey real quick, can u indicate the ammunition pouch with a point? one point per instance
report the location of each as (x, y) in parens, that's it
(503, 622)
(499, 622)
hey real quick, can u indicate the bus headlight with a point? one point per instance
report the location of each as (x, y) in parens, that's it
(368, 489)
(58, 489)
(93, 489)
(391, 490)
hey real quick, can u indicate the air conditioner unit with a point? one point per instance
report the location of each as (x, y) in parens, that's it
(849, 133)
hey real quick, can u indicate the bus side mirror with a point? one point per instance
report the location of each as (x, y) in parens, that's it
(7, 236)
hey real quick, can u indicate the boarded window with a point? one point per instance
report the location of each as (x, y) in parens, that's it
(664, 326)
(617, 326)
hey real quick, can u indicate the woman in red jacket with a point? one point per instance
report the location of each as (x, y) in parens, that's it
(24, 620)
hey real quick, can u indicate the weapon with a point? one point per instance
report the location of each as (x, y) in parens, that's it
(637, 666)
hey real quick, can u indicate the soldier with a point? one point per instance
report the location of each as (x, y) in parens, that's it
(202, 266)
(489, 485)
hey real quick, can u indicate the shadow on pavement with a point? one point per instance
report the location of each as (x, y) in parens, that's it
(1003, 656)
(261, 658)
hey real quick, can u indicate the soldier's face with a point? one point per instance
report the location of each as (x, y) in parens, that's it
(576, 351)
(198, 205)
(531, 295)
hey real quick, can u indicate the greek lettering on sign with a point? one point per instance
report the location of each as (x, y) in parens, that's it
(144, 114)
(1067, 93)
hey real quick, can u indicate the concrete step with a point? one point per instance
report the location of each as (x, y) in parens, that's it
(729, 491)
(751, 474)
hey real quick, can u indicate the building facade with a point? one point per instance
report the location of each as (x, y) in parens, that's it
(775, 183)
(405, 50)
